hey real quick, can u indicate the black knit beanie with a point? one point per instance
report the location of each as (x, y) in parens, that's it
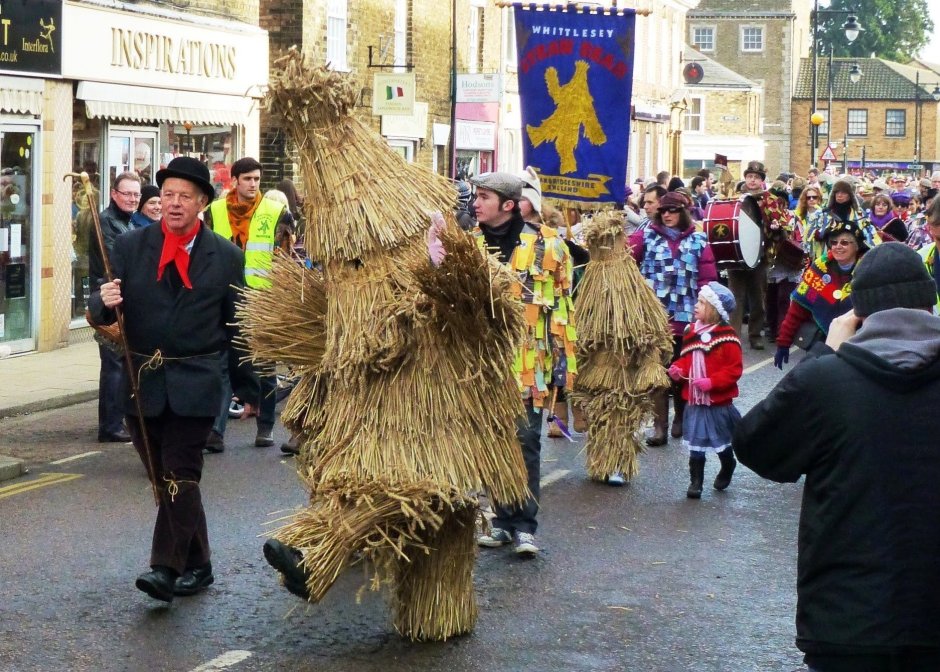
(891, 275)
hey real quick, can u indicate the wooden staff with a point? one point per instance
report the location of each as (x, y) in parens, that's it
(135, 389)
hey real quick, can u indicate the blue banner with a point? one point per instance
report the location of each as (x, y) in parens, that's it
(575, 86)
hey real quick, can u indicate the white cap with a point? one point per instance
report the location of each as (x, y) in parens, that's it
(532, 188)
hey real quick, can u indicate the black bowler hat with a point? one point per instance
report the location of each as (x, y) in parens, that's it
(188, 168)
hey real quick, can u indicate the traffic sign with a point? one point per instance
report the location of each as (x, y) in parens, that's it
(828, 154)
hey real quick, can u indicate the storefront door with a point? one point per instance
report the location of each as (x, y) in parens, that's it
(19, 214)
(131, 149)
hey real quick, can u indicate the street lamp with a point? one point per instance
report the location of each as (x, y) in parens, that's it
(188, 125)
(918, 122)
(855, 74)
(852, 30)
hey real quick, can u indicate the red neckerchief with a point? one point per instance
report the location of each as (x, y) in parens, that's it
(174, 249)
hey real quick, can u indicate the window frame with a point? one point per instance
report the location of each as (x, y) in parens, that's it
(714, 33)
(337, 19)
(889, 123)
(849, 123)
(743, 39)
(689, 115)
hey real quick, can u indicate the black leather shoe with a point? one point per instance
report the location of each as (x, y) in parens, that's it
(194, 581)
(114, 437)
(157, 583)
(215, 443)
(286, 560)
(265, 437)
(291, 447)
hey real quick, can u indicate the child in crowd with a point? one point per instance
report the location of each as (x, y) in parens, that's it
(709, 366)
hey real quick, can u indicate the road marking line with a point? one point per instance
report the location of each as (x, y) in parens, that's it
(41, 482)
(76, 457)
(764, 362)
(227, 659)
(553, 476)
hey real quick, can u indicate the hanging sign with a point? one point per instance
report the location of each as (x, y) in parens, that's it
(393, 93)
(575, 85)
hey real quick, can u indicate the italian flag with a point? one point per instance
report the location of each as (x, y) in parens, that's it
(392, 92)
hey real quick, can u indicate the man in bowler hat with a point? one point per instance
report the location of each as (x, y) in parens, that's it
(175, 283)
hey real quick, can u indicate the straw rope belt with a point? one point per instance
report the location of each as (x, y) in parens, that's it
(158, 359)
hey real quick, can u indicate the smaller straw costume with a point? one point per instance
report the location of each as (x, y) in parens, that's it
(406, 403)
(623, 342)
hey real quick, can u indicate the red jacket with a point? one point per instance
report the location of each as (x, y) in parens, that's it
(724, 363)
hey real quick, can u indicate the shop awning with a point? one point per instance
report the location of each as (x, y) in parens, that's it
(21, 95)
(138, 103)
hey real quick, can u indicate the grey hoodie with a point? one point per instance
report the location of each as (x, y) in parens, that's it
(906, 338)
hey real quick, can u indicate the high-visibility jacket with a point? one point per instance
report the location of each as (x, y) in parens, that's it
(929, 254)
(260, 246)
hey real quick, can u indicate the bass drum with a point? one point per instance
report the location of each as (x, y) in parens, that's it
(734, 233)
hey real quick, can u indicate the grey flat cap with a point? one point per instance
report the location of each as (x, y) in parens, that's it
(506, 185)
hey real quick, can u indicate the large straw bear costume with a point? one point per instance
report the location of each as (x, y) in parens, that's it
(406, 405)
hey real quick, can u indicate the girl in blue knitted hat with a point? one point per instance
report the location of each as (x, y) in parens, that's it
(708, 368)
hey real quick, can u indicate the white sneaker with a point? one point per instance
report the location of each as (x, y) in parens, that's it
(496, 538)
(525, 544)
(616, 479)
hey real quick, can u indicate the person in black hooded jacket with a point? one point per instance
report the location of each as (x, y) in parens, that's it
(859, 422)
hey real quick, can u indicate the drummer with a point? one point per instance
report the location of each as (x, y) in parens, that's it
(749, 285)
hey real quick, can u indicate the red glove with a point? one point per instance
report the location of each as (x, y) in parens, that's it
(675, 372)
(702, 384)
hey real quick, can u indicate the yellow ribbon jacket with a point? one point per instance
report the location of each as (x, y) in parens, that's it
(544, 269)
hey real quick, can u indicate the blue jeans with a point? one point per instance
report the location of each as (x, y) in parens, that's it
(110, 406)
(266, 406)
(529, 432)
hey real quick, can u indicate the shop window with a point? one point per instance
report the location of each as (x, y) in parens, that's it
(213, 145)
(87, 135)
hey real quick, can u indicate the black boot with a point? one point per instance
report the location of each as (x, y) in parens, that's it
(728, 463)
(158, 583)
(696, 477)
(287, 560)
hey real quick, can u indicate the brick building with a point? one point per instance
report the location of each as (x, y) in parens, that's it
(889, 117)
(764, 44)
(97, 86)
(368, 38)
(723, 118)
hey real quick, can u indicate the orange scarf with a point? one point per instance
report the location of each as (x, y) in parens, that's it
(239, 216)
(174, 249)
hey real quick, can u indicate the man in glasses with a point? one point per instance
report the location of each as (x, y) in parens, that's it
(115, 220)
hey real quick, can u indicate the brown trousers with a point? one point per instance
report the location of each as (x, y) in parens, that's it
(180, 536)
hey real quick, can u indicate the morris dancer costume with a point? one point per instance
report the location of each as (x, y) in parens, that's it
(406, 404)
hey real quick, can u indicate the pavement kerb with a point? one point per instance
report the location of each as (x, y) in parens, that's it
(11, 467)
(59, 401)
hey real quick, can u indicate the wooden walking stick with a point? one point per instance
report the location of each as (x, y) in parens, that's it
(135, 389)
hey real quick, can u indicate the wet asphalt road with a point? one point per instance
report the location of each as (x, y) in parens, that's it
(636, 578)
